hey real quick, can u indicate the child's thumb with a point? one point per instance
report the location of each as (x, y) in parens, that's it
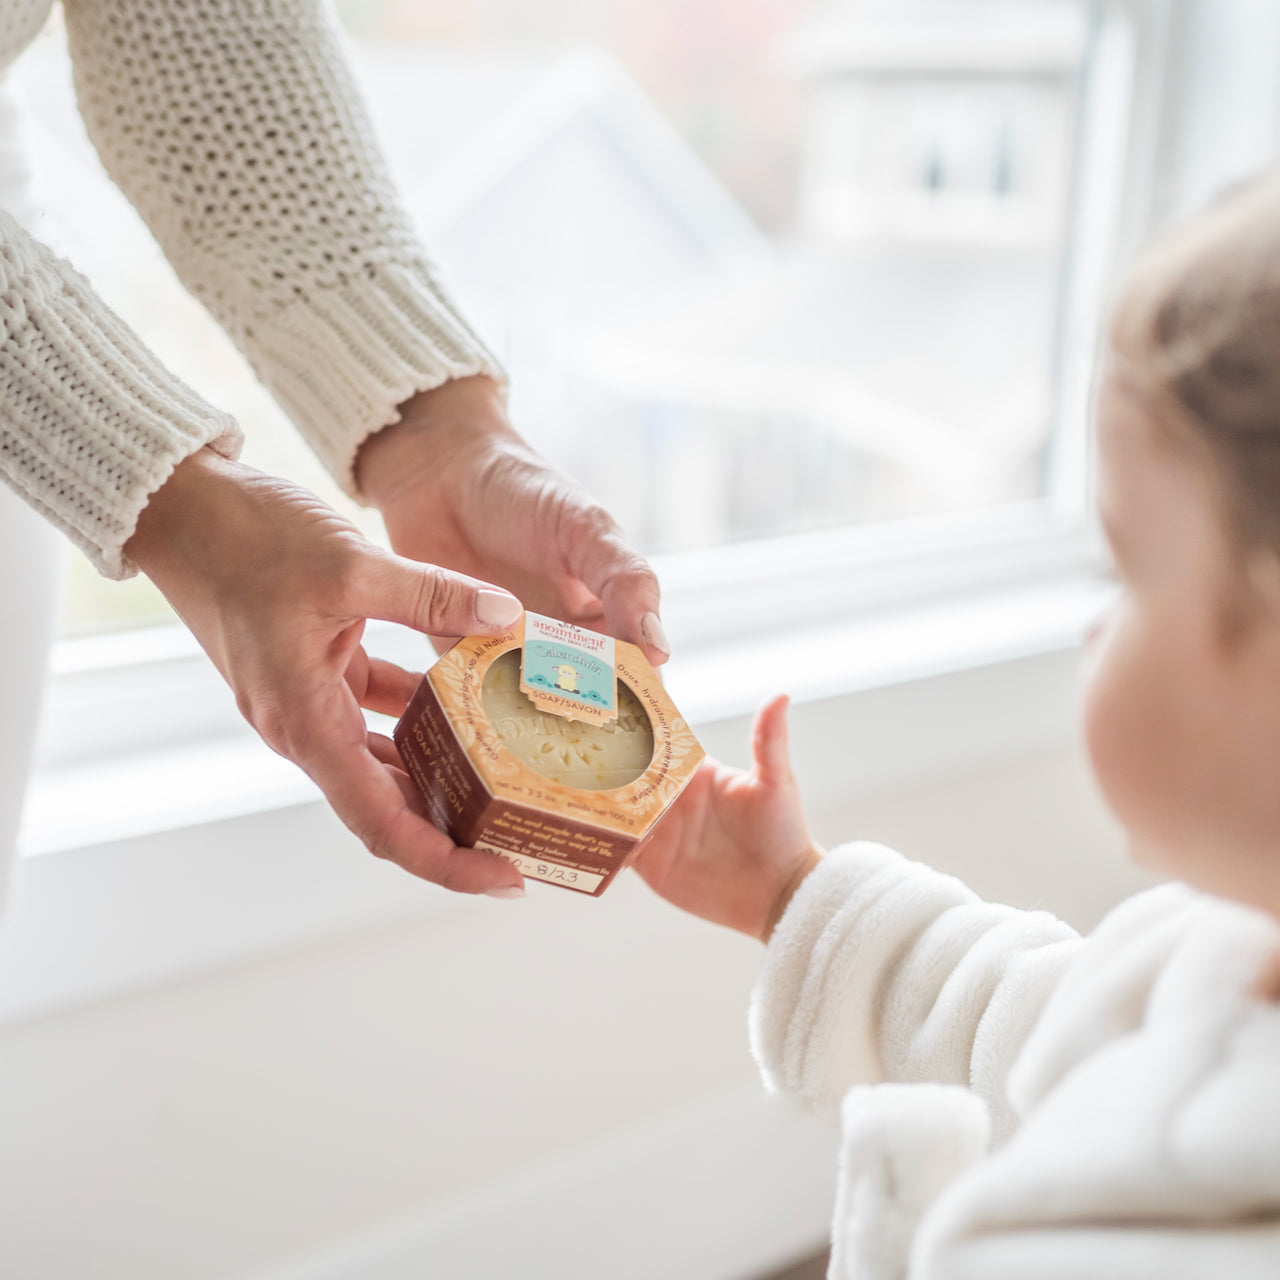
(769, 742)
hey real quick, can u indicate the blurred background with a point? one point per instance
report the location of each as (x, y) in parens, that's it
(808, 292)
(754, 268)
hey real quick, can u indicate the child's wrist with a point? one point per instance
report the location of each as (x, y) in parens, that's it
(811, 858)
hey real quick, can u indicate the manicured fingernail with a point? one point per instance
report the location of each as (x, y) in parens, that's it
(497, 609)
(651, 629)
(506, 891)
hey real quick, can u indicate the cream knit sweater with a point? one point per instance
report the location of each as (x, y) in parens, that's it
(235, 129)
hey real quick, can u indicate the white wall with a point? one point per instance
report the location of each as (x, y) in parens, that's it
(225, 1126)
(29, 572)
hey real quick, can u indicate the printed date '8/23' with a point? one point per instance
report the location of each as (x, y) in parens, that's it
(539, 869)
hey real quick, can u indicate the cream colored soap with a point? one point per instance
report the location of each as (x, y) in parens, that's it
(588, 757)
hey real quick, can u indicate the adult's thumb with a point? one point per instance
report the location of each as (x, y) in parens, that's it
(435, 601)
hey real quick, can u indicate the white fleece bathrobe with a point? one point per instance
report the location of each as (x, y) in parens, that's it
(1018, 1103)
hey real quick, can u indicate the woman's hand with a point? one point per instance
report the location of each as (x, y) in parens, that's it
(277, 587)
(735, 846)
(458, 487)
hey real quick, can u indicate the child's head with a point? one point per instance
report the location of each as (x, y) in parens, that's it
(1183, 703)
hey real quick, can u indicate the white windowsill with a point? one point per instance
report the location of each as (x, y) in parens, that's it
(149, 866)
(83, 805)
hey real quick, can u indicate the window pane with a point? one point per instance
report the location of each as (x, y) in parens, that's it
(756, 267)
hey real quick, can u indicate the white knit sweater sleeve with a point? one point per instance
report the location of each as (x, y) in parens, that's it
(90, 423)
(883, 969)
(235, 128)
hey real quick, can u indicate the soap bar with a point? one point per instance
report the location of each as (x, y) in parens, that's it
(568, 801)
(574, 753)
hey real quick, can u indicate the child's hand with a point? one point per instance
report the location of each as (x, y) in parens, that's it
(735, 846)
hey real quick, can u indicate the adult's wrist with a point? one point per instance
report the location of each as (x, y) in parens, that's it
(172, 510)
(435, 428)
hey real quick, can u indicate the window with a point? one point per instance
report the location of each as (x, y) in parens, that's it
(805, 292)
(756, 270)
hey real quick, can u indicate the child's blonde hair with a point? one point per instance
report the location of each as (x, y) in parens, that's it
(1197, 326)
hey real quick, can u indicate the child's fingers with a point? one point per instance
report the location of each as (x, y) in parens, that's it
(769, 742)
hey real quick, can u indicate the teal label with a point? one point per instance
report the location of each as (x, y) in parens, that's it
(565, 667)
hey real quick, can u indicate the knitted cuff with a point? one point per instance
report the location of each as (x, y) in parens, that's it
(342, 360)
(91, 424)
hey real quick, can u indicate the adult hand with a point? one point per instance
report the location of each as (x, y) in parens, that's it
(277, 587)
(458, 487)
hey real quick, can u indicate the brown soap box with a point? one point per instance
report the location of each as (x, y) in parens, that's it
(486, 798)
